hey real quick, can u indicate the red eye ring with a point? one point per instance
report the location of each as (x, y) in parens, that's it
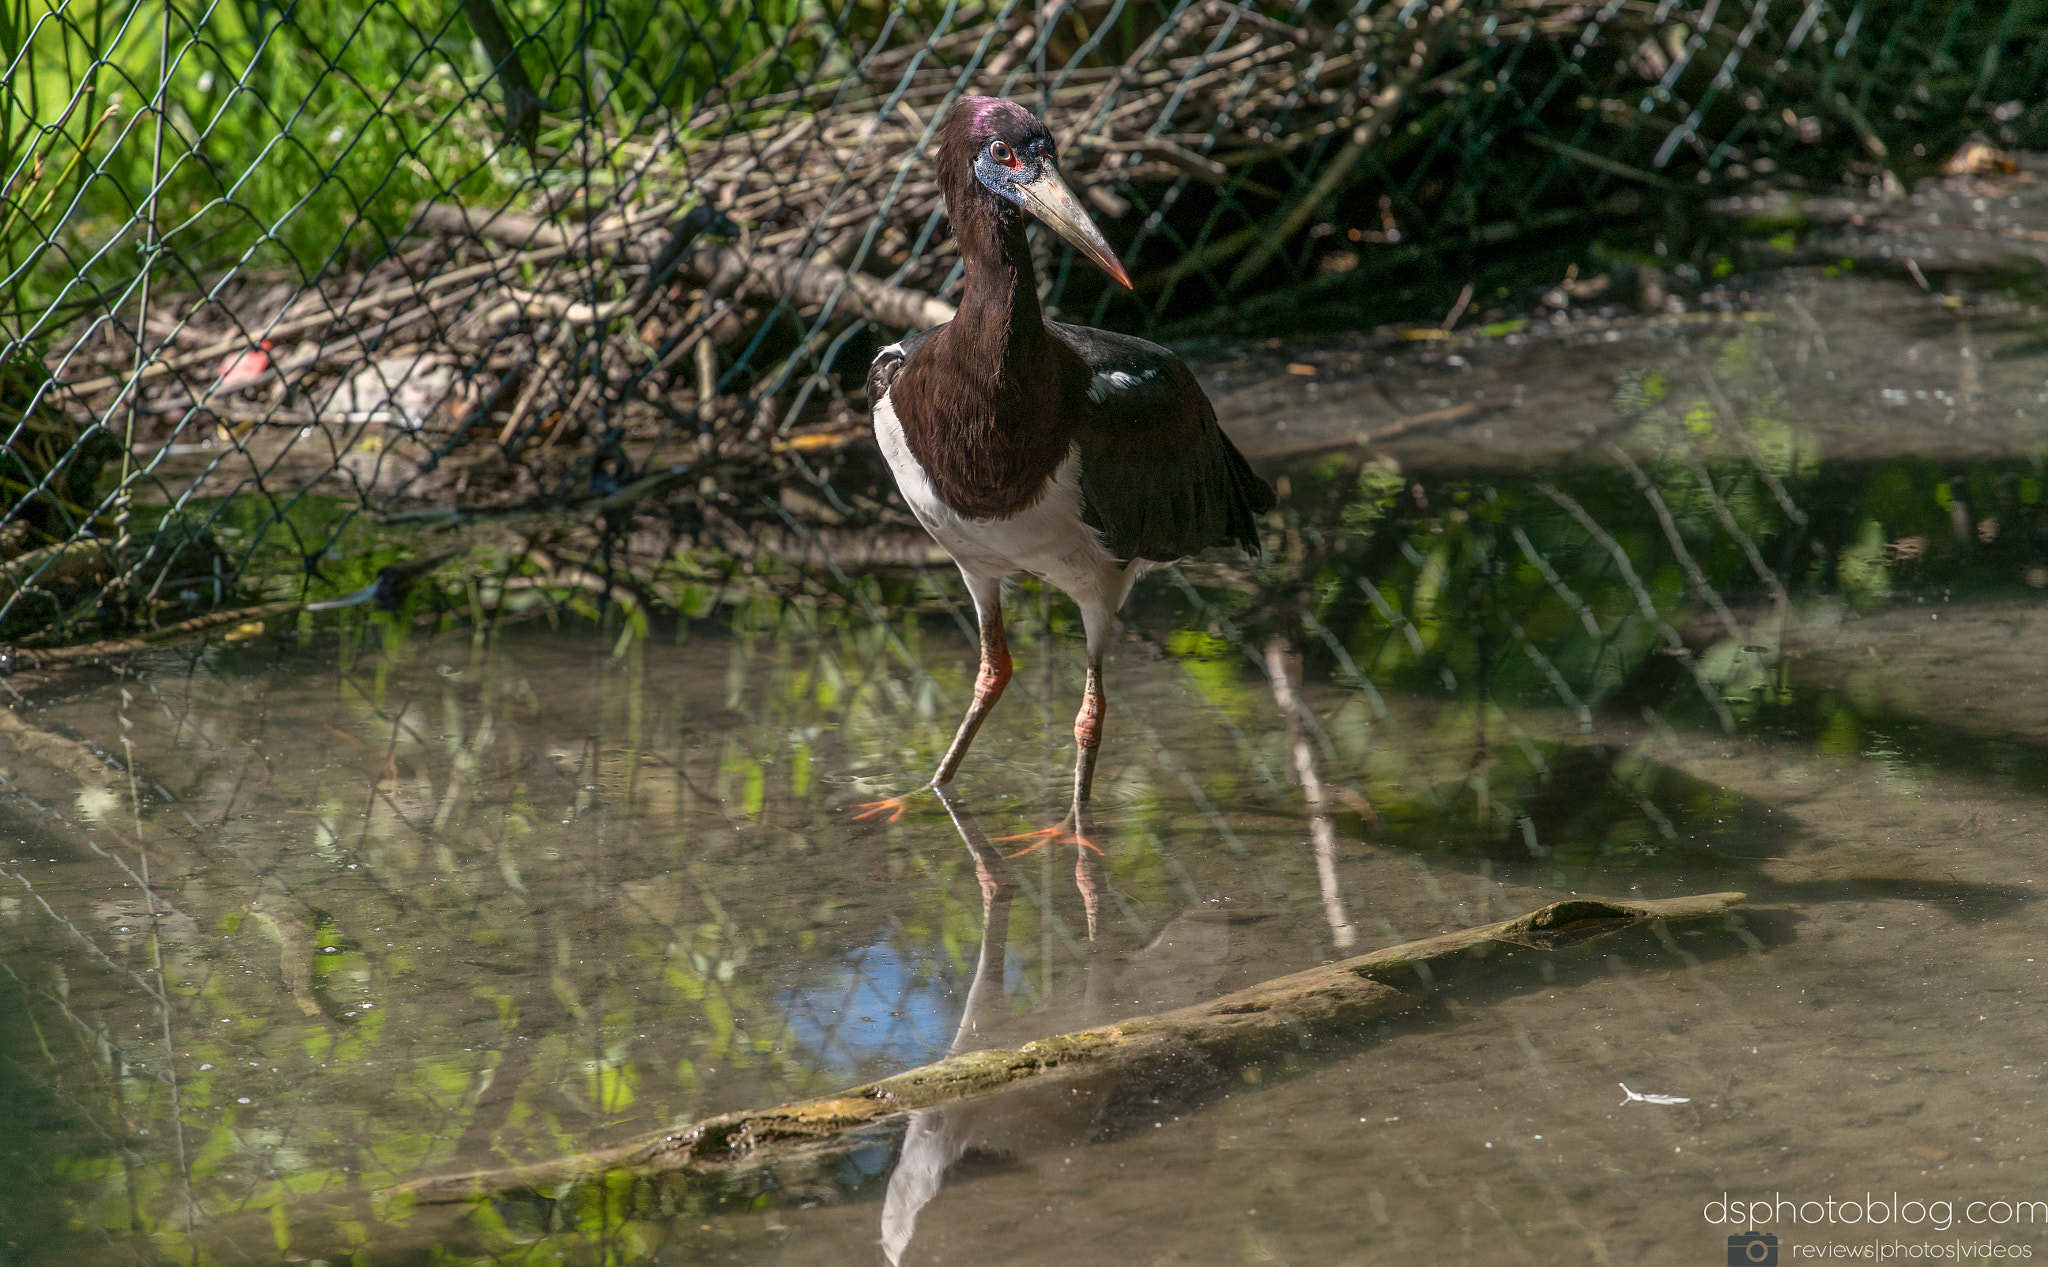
(1002, 153)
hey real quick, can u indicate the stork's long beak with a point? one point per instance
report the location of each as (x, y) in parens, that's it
(1050, 200)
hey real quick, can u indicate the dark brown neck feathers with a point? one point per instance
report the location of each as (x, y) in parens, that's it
(984, 403)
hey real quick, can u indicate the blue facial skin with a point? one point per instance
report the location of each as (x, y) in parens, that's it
(1003, 180)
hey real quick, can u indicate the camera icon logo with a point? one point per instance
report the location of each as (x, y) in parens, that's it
(1752, 1249)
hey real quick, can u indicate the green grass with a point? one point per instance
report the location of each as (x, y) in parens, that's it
(294, 136)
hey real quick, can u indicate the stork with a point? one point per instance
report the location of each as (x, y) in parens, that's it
(1081, 457)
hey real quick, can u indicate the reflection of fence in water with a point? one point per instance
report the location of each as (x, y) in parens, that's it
(1476, 575)
(254, 272)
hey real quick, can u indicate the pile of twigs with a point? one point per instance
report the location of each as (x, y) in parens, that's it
(714, 291)
(379, 379)
(1205, 98)
(698, 308)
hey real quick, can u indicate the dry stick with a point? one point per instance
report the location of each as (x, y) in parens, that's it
(1388, 104)
(1206, 170)
(143, 641)
(575, 313)
(1598, 161)
(1144, 53)
(1400, 426)
(66, 754)
(1227, 1030)
(280, 417)
(1215, 252)
(707, 369)
(511, 228)
(894, 306)
(570, 410)
(543, 374)
(801, 283)
(1457, 309)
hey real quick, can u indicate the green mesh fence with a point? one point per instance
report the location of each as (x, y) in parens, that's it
(278, 272)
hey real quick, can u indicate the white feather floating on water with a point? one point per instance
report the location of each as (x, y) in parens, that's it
(1651, 1099)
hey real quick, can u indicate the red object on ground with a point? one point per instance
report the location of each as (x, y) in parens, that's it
(241, 367)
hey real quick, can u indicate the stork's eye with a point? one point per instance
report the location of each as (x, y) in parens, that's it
(1003, 154)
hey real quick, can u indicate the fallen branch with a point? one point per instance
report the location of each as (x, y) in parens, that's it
(1598, 161)
(535, 304)
(793, 280)
(1227, 1030)
(61, 752)
(1448, 416)
(18, 658)
(74, 563)
(507, 228)
(802, 283)
(390, 582)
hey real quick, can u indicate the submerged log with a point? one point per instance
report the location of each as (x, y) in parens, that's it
(1226, 1030)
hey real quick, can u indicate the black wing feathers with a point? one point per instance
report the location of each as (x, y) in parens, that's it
(1159, 479)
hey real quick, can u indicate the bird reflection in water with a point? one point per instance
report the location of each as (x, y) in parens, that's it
(1180, 966)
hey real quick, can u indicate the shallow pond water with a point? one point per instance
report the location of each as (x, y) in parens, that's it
(288, 920)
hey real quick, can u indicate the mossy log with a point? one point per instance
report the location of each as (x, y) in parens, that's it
(1227, 1030)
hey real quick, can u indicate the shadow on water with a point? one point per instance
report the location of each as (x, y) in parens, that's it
(292, 918)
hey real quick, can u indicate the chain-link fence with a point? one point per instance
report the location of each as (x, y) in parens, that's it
(279, 275)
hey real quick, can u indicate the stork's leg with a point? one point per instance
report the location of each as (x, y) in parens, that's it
(994, 675)
(1088, 732)
(990, 681)
(1087, 739)
(1089, 876)
(1097, 622)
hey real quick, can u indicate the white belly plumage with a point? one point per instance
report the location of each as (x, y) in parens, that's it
(1048, 540)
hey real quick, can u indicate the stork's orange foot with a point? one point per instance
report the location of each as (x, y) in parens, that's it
(895, 807)
(1059, 835)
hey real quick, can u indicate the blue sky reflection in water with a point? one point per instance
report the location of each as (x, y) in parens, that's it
(881, 1012)
(386, 900)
